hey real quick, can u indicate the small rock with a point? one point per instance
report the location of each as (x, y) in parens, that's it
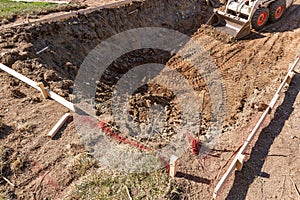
(27, 47)
(50, 75)
(35, 99)
(68, 64)
(66, 84)
(262, 107)
(14, 82)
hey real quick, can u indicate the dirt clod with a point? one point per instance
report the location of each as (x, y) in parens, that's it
(50, 75)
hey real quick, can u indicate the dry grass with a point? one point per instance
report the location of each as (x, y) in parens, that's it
(5, 152)
(102, 185)
(11, 162)
(94, 183)
(25, 127)
(81, 163)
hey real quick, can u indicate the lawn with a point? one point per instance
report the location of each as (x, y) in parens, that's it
(9, 8)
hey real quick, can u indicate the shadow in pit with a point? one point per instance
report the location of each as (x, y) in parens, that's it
(70, 41)
(289, 22)
(253, 166)
(190, 177)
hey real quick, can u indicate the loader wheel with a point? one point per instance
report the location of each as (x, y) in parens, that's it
(260, 18)
(277, 9)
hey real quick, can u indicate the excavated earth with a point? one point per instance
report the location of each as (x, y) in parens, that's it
(251, 70)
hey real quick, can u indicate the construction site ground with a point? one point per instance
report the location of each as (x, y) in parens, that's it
(251, 70)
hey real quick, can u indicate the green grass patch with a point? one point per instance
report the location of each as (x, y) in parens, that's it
(9, 9)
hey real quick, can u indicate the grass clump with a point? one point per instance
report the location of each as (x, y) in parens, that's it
(10, 9)
(101, 185)
(5, 153)
(11, 162)
(81, 163)
(25, 127)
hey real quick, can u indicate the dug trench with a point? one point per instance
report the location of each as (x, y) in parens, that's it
(250, 69)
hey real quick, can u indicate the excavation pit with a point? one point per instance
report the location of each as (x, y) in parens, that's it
(53, 52)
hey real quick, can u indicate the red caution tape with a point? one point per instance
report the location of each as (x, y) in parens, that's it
(195, 146)
(121, 139)
(194, 143)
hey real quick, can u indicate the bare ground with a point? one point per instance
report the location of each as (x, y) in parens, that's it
(251, 69)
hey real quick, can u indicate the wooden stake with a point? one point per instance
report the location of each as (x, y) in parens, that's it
(58, 125)
(240, 162)
(43, 90)
(173, 166)
(290, 77)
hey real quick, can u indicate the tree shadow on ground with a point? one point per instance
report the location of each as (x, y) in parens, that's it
(252, 167)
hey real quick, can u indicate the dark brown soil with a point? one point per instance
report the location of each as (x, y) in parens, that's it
(251, 70)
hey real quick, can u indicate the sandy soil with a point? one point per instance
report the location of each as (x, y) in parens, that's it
(251, 70)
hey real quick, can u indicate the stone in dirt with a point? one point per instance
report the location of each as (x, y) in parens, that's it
(50, 75)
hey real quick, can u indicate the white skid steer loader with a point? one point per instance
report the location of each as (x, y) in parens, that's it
(240, 16)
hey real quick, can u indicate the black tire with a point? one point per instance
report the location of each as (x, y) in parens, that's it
(260, 18)
(277, 9)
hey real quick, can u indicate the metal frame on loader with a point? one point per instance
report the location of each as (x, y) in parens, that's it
(240, 16)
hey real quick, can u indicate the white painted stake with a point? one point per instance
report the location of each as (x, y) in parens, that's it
(43, 90)
(240, 162)
(173, 166)
(58, 125)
